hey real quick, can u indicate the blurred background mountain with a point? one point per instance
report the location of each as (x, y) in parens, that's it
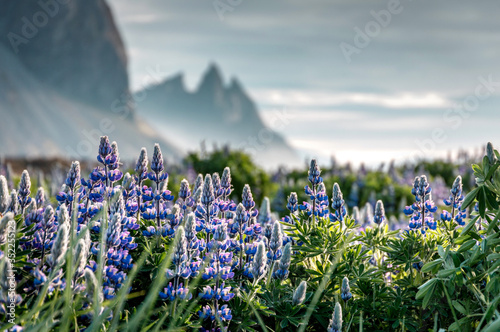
(64, 83)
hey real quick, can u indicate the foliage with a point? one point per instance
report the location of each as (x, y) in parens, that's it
(119, 252)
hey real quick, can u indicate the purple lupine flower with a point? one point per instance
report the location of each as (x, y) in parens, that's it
(314, 174)
(275, 242)
(292, 204)
(73, 177)
(208, 195)
(338, 204)
(157, 162)
(141, 167)
(379, 215)
(113, 234)
(247, 198)
(24, 190)
(226, 181)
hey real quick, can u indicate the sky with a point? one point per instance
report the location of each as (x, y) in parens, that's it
(366, 81)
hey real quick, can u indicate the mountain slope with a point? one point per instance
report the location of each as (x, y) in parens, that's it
(39, 122)
(213, 113)
(72, 46)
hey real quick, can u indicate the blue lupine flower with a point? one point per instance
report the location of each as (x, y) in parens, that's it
(284, 263)
(314, 173)
(73, 177)
(275, 242)
(226, 181)
(157, 162)
(247, 199)
(24, 190)
(104, 149)
(345, 290)
(141, 167)
(208, 195)
(292, 202)
(4, 194)
(379, 215)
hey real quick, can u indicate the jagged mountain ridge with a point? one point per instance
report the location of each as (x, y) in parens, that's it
(213, 113)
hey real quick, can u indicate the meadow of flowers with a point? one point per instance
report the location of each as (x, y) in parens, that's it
(117, 251)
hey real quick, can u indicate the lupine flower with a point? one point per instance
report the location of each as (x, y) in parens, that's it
(226, 181)
(258, 269)
(13, 202)
(379, 215)
(198, 183)
(345, 290)
(113, 234)
(338, 204)
(314, 173)
(299, 295)
(292, 202)
(184, 190)
(284, 263)
(247, 198)
(59, 248)
(4, 195)
(490, 152)
(455, 201)
(264, 212)
(275, 242)
(141, 167)
(208, 195)
(104, 149)
(24, 190)
(336, 321)
(40, 197)
(180, 250)
(80, 256)
(157, 162)
(91, 287)
(73, 177)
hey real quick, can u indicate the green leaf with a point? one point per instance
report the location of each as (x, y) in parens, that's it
(466, 245)
(470, 198)
(431, 265)
(460, 308)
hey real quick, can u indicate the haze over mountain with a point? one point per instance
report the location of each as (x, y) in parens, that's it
(214, 113)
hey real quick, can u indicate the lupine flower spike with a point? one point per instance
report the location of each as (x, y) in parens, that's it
(336, 321)
(345, 290)
(299, 295)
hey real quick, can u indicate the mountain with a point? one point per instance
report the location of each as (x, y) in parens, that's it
(64, 83)
(214, 113)
(72, 46)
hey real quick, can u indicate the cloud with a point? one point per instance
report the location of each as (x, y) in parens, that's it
(322, 98)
